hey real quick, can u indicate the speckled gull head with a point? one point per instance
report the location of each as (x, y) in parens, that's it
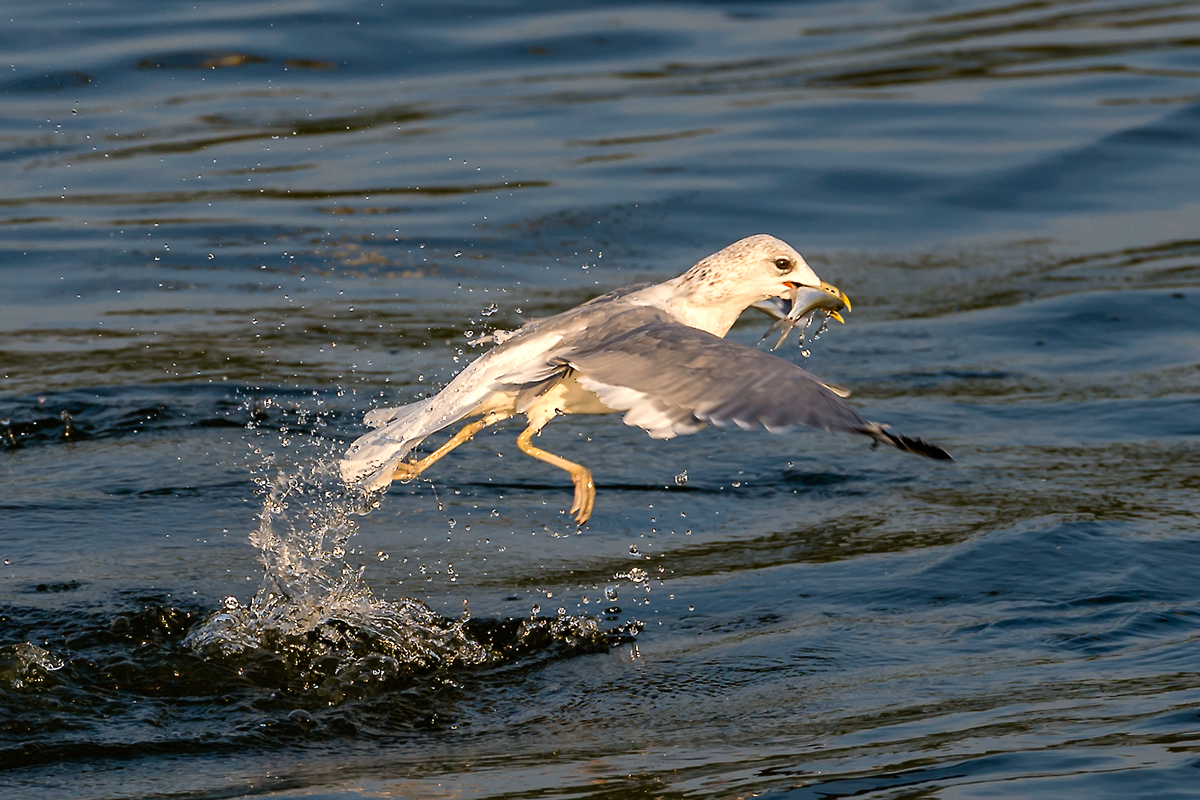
(653, 352)
(712, 294)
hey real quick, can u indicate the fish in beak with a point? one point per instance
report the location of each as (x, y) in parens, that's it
(801, 303)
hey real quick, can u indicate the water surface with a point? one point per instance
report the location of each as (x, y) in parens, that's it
(229, 229)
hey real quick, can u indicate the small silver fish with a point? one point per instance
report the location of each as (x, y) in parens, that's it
(802, 304)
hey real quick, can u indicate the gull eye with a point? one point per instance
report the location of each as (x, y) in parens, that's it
(783, 264)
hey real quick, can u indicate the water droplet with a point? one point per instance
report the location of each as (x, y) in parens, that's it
(231, 603)
(610, 593)
(633, 549)
(382, 556)
(681, 478)
(489, 310)
(535, 610)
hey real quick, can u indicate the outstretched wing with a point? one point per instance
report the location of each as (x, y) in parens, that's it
(672, 378)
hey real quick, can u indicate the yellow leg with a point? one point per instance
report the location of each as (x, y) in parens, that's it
(407, 470)
(585, 490)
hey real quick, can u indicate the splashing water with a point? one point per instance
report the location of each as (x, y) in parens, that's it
(309, 590)
(314, 610)
(26, 664)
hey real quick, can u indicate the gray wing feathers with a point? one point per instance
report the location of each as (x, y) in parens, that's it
(712, 380)
(657, 417)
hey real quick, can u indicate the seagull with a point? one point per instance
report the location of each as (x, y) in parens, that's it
(656, 352)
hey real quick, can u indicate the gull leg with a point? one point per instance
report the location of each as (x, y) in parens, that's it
(585, 490)
(407, 470)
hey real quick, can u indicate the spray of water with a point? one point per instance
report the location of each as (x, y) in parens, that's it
(309, 591)
(316, 615)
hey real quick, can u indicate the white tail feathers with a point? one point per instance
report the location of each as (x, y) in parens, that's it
(373, 456)
(382, 416)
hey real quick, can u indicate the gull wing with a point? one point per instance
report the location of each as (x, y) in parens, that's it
(672, 378)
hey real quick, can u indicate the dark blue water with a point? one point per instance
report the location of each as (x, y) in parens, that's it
(229, 229)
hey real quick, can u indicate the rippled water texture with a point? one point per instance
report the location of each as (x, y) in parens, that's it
(227, 230)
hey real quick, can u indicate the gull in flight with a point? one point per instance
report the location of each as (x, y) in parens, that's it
(653, 351)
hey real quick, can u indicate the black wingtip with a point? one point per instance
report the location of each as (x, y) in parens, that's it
(919, 447)
(908, 444)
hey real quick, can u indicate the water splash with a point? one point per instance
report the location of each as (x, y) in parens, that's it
(310, 592)
(25, 665)
(316, 616)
